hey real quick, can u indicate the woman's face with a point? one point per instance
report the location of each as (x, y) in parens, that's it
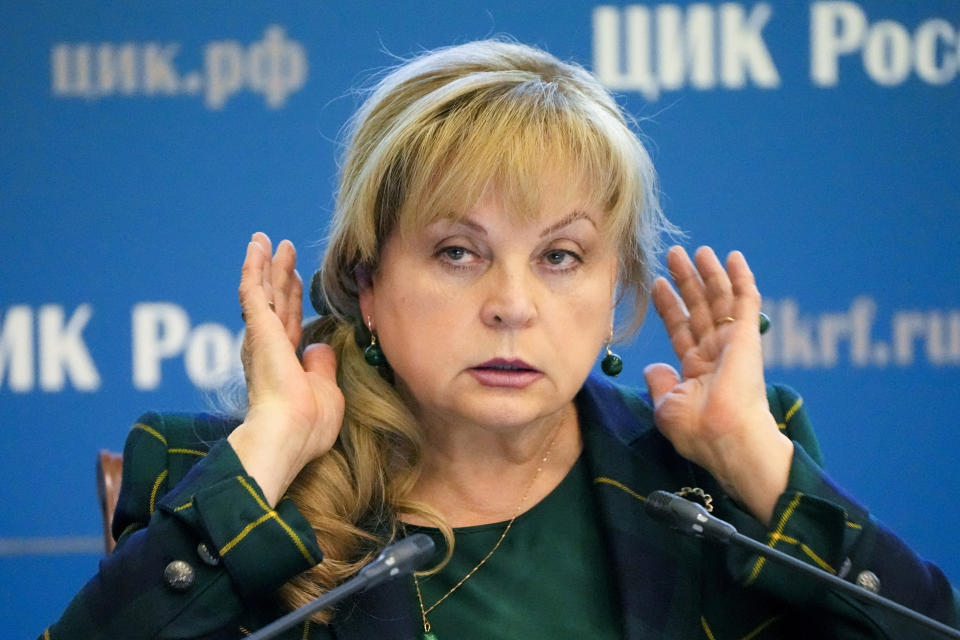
(493, 321)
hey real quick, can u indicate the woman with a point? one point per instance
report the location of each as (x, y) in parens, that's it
(494, 211)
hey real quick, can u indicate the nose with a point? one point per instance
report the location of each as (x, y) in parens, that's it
(509, 297)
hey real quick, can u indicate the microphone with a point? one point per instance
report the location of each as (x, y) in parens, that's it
(400, 558)
(692, 519)
(687, 516)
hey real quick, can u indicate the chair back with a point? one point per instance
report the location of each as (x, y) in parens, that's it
(109, 473)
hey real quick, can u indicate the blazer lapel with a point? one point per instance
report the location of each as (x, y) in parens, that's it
(655, 569)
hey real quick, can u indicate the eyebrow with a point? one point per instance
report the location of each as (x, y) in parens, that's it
(570, 218)
(467, 222)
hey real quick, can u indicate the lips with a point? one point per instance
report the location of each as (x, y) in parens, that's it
(506, 373)
(502, 364)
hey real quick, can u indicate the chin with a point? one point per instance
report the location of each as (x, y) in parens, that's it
(504, 411)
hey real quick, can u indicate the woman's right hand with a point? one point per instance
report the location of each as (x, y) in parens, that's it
(295, 408)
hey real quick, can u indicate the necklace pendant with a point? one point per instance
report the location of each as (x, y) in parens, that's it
(428, 635)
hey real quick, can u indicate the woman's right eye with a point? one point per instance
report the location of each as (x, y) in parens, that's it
(454, 253)
(457, 257)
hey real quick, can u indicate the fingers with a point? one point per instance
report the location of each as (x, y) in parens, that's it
(255, 290)
(287, 290)
(709, 293)
(704, 286)
(281, 277)
(719, 291)
(272, 285)
(746, 296)
(263, 241)
(692, 291)
(674, 315)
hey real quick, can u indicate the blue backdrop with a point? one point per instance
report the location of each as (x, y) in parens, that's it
(142, 144)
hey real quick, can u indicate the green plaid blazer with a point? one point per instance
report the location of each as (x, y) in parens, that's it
(186, 497)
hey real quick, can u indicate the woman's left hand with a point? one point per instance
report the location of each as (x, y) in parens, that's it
(715, 411)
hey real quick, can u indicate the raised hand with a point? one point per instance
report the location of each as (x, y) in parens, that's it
(715, 410)
(295, 409)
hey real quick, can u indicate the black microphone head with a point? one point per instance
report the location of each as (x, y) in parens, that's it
(659, 507)
(402, 557)
(417, 550)
(687, 516)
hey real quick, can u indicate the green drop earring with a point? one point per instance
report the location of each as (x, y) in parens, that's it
(612, 364)
(373, 354)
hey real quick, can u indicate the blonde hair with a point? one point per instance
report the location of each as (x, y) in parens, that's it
(433, 134)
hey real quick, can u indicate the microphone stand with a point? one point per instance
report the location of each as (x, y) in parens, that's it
(401, 558)
(328, 599)
(842, 585)
(691, 518)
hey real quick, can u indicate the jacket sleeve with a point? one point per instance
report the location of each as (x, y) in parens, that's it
(816, 522)
(197, 543)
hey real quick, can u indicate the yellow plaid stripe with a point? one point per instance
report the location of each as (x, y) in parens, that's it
(706, 628)
(796, 407)
(763, 625)
(790, 413)
(269, 514)
(810, 553)
(619, 485)
(184, 506)
(775, 536)
(244, 532)
(156, 487)
(192, 452)
(156, 434)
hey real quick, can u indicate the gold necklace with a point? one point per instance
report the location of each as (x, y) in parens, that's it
(427, 633)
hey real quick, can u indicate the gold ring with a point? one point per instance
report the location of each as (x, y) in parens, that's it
(725, 320)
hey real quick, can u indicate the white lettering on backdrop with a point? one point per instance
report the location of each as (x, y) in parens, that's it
(652, 49)
(667, 47)
(275, 67)
(161, 331)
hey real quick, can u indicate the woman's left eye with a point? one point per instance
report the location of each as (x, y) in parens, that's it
(561, 258)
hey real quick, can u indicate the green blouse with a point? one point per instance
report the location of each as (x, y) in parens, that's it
(548, 579)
